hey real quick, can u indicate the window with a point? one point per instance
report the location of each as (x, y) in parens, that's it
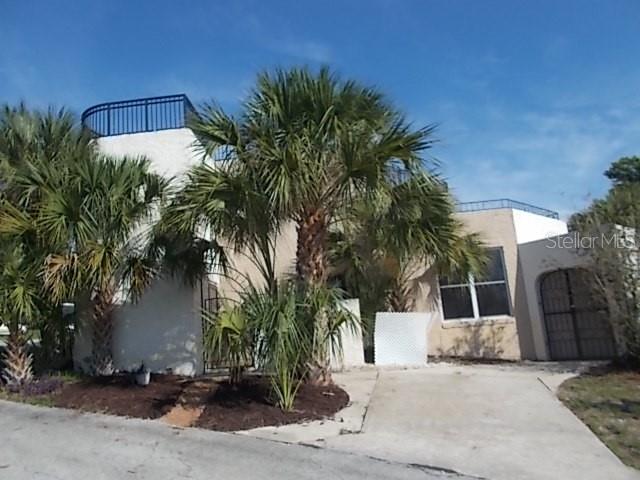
(483, 296)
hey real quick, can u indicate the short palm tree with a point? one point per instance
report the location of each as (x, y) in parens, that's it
(310, 144)
(89, 217)
(383, 246)
(107, 260)
(19, 298)
(27, 140)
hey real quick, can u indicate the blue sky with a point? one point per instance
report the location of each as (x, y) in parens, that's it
(533, 98)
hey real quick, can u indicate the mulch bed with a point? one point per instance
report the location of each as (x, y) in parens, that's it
(250, 405)
(223, 407)
(119, 395)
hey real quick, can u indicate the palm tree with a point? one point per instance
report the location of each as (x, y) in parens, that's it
(219, 207)
(28, 139)
(88, 217)
(311, 144)
(383, 246)
(108, 260)
(19, 298)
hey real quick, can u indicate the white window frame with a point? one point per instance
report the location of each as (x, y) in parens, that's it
(471, 286)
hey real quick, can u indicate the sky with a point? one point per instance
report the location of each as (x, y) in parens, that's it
(533, 99)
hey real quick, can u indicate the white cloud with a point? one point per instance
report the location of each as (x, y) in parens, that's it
(226, 92)
(306, 50)
(554, 158)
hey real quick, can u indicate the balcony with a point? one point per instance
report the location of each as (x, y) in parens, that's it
(137, 116)
(505, 203)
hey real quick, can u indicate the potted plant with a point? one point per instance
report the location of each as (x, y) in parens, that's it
(143, 375)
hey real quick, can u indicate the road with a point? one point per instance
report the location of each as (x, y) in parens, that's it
(39, 443)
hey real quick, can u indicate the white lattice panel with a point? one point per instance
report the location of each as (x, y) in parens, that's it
(401, 338)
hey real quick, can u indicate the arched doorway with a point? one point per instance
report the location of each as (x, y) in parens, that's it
(576, 321)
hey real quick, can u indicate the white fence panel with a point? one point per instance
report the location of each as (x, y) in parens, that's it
(401, 338)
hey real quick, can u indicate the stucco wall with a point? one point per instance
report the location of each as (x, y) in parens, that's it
(171, 151)
(530, 227)
(163, 330)
(243, 268)
(512, 336)
(496, 337)
(401, 338)
(352, 354)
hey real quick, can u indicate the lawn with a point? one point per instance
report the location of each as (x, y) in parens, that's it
(608, 402)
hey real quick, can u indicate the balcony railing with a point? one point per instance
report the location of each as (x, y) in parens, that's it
(505, 203)
(136, 116)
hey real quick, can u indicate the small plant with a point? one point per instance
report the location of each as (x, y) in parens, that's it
(284, 341)
(290, 344)
(230, 338)
(275, 329)
(285, 383)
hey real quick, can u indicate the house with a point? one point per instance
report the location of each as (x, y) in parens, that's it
(532, 303)
(489, 316)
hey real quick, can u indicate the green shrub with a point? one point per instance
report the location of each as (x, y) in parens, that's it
(230, 338)
(277, 329)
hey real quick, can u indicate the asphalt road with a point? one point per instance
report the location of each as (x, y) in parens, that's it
(51, 444)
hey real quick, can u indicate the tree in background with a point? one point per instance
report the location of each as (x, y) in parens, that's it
(615, 262)
(626, 170)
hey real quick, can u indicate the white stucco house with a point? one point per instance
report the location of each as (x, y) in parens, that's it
(531, 304)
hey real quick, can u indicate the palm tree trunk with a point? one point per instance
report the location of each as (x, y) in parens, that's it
(399, 298)
(102, 333)
(311, 261)
(18, 363)
(311, 269)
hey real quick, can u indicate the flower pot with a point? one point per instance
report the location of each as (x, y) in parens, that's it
(143, 378)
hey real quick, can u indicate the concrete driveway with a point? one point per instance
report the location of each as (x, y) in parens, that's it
(501, 423)
(52, 444)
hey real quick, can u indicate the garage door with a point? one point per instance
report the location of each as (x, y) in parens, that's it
(576, 321)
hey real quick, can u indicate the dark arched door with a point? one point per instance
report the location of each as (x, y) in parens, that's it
(576, 321)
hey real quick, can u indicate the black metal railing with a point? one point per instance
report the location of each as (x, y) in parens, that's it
(505, 203)
(139, 115)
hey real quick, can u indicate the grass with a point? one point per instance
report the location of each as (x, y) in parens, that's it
(40, 400)
(46, 399)
(609, 404)
(69, 376)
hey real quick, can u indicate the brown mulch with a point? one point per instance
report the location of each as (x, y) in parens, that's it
(250, 405)
(119, 395)
(201, 402)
